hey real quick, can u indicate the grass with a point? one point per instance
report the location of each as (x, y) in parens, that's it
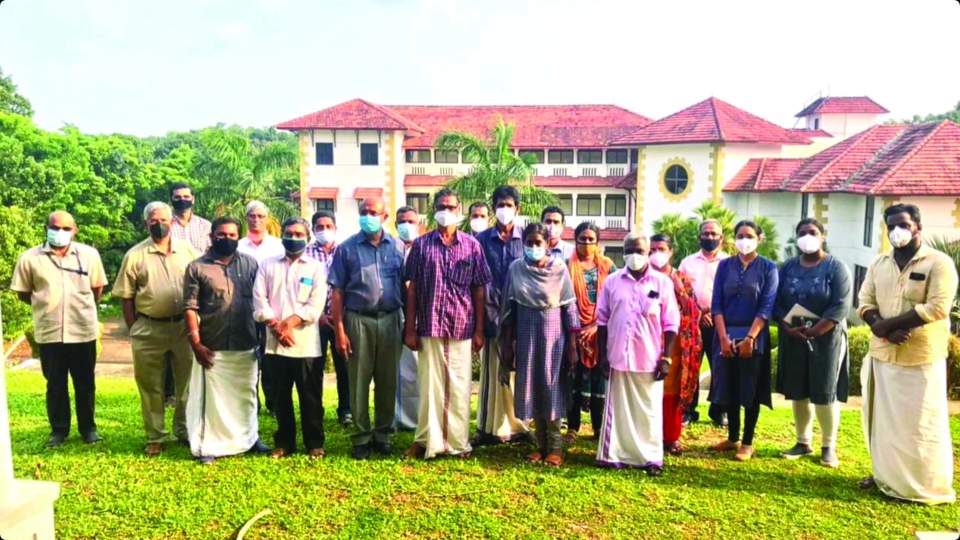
(113, 491)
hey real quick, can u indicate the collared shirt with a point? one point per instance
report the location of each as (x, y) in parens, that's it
(702, 272)
(371, 277)
(563, 250)
(444, 277)
(196, 232)
(270, 246)
(743, 294)
(284, 288)
(222, 295)
(637, 312)
(316, 251)
(926, 285)
(61, 291)
(153, 278)
(499, 255)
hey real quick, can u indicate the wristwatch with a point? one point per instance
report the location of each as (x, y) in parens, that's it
(666, 359)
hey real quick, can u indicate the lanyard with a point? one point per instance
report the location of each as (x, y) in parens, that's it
(78, 270)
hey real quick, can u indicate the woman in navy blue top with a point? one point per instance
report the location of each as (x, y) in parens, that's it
(744, 292)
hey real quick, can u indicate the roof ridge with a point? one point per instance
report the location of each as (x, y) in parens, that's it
(392, 114)
(763, 164)
(716, 120)
(936, 129)
(873, 159)
(859, 137)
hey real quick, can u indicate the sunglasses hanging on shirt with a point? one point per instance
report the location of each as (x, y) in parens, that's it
(78, 270)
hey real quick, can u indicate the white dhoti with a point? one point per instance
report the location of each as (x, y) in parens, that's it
(907, 427)
(632, 433)
(408, 394)
(444, 378)
(222, 409)
(495, 414)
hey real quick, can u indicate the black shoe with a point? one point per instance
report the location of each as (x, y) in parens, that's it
(346, 420)
(259, 448)
(691, 418)
(91, 437)
(383, 448)
(361, 451)
(55, 440)
(720, 422)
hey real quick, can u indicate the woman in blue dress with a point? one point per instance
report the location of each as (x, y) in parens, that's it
(743, 296)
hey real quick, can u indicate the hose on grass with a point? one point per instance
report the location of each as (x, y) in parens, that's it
(246, 526)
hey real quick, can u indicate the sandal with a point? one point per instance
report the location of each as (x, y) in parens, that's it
(726, 446)
(674, 448)
(535, 457)
(654, 471)
(554, 459)
(744, 453)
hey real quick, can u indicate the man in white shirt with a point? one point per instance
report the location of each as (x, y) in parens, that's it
(288, 297)
(553, 219)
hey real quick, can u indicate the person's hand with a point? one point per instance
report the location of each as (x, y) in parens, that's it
(726, 347)
(879, 329)
(411, 339)
(344, 347)
(203, 354)
(898, 336)
(661, 370)
(745, 348)
(793, 332)
(271, 324)
(325, 320)
(587, 333)
(706, 319)
(478, 340)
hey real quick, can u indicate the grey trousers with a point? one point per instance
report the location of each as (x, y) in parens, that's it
(376, 342)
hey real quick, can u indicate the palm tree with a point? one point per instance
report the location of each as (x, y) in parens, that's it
(952, 249)
(494, 165)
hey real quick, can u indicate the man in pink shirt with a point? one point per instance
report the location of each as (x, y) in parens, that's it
(637, 320)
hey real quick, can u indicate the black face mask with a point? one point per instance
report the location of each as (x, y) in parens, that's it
(225, 247)
(159, 230)
(294, 246)
(182, 205)
(710, 244)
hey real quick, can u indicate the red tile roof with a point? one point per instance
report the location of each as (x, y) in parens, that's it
(416, 180)
(711, 120)
(628, 181)
(353, 114)
(763, 174)
(809, 133)
(323, 193)
(850, 105)
(364, 192)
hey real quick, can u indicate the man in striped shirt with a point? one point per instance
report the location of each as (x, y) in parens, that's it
(186, 225)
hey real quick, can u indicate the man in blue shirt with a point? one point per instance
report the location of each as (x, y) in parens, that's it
(367, 283)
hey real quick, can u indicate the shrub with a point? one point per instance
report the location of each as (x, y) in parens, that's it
(859, 342)
(953, 368)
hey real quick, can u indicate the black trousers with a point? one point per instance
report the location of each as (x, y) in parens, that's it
(57, 360)
(589, 391)
(327, 341)
(306, 374)
(266, 381)
(716, 411)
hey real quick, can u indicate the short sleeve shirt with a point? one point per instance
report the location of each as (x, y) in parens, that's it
(222, 295)
(154, 279)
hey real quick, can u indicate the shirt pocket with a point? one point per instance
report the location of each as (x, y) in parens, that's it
(462, 274)
(916, 290)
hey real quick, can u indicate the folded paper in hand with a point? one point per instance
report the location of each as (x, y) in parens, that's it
(799, 311)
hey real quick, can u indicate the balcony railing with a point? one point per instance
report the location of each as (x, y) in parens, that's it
(573, 170)
(603, 222)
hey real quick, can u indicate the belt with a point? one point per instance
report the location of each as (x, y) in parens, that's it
(175, 318)
(375, 314)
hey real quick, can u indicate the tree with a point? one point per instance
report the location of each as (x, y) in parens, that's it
(10, 100)
(685, 232)
(953, 115)
(494, 165)
(952, 248)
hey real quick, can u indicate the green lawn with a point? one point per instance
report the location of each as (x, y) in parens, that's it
(112, 491)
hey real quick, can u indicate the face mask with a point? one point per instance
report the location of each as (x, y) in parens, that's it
(554, 230)
(534, 254)
(408, 231)
(709, 244)
(224, 247)
(159, 230)
(809, 243)
(59, 238)
(294, 246)
(479, 224)
(181, 205)
(659, 259)
(587, 250)
(635, 261)
(505, 215)
(325, 236)
(746, 246)
(446, 218)
(900, 237)
(370, 224)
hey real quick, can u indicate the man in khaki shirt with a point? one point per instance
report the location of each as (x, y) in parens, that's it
(62, 281)
(150, 284)
(906, 299)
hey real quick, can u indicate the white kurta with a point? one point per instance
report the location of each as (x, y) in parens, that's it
(907, 426)
(632, 433)
(444, 377)
(222, 408)
(495, 414)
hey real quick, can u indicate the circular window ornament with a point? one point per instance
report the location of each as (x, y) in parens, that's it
(676, 178)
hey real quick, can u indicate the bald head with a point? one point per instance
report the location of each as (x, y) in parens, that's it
(372, 205)
(61, 219)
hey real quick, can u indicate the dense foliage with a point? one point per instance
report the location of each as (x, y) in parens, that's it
(685, 231)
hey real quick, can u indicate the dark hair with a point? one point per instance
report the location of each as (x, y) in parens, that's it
(900, 209)
(478, 204)
(534, 228)
(404, 210)
(659, 237)
(445, 192)
(180, 185)
(294, 220)
(505, 192)
(223, 220)
(323, 213)
(553, 210)
(584, 225)
(809, 221)
(747, 223)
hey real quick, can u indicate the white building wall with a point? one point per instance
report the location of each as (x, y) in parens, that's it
(696, 158)
(842, 125)
(736, 155)
(782, 208)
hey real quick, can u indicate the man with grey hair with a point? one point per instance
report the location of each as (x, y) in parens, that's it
(150, 286)
(701, 267)
(62, 281)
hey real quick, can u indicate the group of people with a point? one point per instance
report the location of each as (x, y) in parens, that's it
(559, 330)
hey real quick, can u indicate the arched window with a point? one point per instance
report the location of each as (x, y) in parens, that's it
(676, 179)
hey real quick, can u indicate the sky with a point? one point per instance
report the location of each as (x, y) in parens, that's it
(147, 68)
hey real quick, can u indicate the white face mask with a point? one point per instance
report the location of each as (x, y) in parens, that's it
(59, 238)
(554, 230)
(809, 243)
(408, 231)
(479, 224)
(746, 246)
(505, 215)
(635, 261)
(326, 236)
(659, 259)
(900, 237)
(446, 218)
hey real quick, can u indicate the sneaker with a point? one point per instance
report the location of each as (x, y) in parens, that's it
(828, 457)
(798, 451)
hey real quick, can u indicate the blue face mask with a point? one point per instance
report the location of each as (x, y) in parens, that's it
(370, 224)
(407, 231)
(534, 254)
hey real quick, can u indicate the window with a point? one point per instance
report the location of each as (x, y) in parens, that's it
(859, 275)
(369, 153)
(589, 156)
(634, 158)
(816, 123)
(804, 205)
(560, 156)
(616, 156)
(616, 205)
(446, 156)
(537, 155)
(868, 222)
(324, 204)
(676, 179)
(420, 202)
(615, 254)
(324, 153)
(418, 156)
(468, 157)
(566, 204)
(588, 205)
